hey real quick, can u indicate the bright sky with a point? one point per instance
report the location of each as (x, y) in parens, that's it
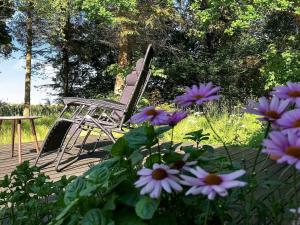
(12, 78)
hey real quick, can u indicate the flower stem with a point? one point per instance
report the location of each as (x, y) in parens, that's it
(207, 213)
(159, 151)
(220, 139)
(296, 196)
(261, 147)
(172, 136)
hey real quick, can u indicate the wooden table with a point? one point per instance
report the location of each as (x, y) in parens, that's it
(17, 120)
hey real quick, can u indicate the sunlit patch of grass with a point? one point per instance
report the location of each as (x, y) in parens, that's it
(236, 129)
(42, 127)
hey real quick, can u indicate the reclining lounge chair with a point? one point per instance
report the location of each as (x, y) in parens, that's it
(87, 114)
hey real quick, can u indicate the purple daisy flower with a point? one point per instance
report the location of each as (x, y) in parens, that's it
(198, 94)
(212, 184)
(269, 110)
(286, 147)
(298, 103)
(156, 117)
(183, 164)
(156, 179)
(291, 91)
(176, 117)
(290, 121)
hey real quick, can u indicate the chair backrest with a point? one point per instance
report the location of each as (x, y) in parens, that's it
(135, 85)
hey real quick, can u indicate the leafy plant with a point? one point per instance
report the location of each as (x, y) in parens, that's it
(28, 197)
(197, 136)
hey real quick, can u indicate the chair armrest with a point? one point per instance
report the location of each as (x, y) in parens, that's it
(76, 101)
(109, 104)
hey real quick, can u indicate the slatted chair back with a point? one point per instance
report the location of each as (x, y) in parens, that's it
(132, 94)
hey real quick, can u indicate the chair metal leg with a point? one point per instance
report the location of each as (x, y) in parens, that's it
(34, 135)
(63, 149)
(85, 139)
(95, 145)
(106, 131)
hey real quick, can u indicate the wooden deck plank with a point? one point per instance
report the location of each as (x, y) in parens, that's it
(8, 163)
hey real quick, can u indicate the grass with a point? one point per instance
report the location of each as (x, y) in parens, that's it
(49, 114)
(42, 126)
(236, 129)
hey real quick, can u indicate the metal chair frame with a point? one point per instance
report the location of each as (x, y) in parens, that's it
(92, 113)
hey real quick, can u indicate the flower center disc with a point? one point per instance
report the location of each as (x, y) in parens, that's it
(178, 164)
(273, 114)
(296, 123)
(159, 174)
(294, 94)
(293, 151)
(151, 112)
(198, 96)
(212, 179)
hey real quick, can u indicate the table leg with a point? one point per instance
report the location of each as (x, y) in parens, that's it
(0, 124)
(20, 141)
(34, 135)
(13, 124)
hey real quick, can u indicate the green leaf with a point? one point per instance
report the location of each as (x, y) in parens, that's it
(208, 148)
(111, 202)
(127, 217)
(154, 158)
(99, 175)
(146, 207)
(162, 129)
(73, 190)
(89, 190)
(93, 217)
(172, 157)
(164, 219)
(128, 194)
(109, 163)
(136, 157)
(60, 218)
(197, 136)
(141, 136)
(120, 148)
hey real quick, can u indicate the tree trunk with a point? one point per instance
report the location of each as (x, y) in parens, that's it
(29, 38)
(65, 71)
(123, 58)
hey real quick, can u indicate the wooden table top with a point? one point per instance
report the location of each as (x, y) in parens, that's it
(19, 117)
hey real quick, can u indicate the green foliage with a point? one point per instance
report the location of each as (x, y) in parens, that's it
(6, 11)
(282, 65)
(197, 136)
(108, 9)
(28, 197)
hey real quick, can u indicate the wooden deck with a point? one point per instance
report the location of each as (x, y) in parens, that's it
(8, 164)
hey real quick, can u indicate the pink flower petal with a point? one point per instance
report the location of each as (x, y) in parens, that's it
(232, 176)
